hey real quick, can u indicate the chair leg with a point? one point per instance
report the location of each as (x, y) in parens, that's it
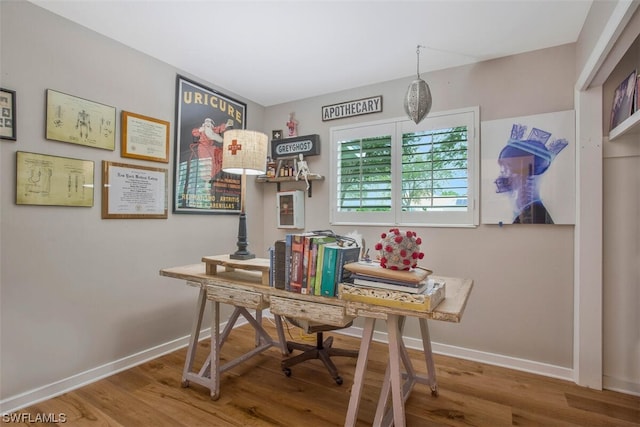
(323, 350)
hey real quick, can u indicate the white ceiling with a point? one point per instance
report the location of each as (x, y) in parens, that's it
(272, 52)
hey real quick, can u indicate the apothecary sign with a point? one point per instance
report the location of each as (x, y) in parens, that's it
(308, 145)
(352, 108)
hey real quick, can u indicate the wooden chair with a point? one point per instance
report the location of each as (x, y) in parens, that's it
(323, 349)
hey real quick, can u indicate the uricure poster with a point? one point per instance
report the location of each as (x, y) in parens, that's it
(202, 117)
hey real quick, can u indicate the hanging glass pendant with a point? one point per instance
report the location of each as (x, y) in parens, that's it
(417, 101)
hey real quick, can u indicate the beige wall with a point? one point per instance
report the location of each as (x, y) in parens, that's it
(78, 292)
(522, 302)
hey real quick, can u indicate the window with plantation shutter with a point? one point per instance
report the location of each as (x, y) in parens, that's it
(398, 173)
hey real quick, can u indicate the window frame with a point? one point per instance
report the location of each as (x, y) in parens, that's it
(396, 127)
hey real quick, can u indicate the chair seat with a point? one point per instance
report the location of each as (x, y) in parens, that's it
(309, 327)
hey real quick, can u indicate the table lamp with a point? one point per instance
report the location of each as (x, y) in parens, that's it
(244, 152)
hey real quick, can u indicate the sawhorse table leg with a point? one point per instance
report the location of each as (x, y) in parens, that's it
(195, 336)
(361, 370)
(393, 380)
(263, 342)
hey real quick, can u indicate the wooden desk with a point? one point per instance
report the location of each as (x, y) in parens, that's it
(244, 290)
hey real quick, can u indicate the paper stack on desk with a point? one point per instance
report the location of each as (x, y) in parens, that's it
(411, 289)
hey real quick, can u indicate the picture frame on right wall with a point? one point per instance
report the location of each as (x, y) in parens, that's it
(7, 114)
(623, 100)
(528, 169)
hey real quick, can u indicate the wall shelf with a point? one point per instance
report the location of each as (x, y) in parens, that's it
(630, 126)
(280, 179)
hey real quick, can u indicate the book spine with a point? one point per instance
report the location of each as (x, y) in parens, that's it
(279, 265)
(319, 268)
(297, 263)
(345, 256)
(387, 281)
(287, 262)
(389, 286)
(272, 266)
(306, 261)
(328, 286)
(313, 264)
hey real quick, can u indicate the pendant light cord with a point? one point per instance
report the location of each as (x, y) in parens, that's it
(418, 60)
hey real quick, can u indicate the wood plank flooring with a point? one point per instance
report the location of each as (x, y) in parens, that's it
(257, 393)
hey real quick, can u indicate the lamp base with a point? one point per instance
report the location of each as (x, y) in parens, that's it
(242, 252)
(242, 256)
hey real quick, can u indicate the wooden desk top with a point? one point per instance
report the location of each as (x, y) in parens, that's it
(449, 310)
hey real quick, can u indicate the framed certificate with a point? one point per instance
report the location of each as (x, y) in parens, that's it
(144, 138)
(132, 191)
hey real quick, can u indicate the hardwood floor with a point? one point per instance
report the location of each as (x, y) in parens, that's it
(257, 393)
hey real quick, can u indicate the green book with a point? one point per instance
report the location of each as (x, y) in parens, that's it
(319, 269)
(328, 284)
(312, 269)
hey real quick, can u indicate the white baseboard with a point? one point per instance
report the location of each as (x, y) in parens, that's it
(477, 356)
(31, 397)
(620, 385)
(57, 388)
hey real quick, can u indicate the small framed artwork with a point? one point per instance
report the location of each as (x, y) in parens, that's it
(8, 117)
(79, 121)
(622, 107)
(53, 181)
(290, 206)
(132, 191)
(276, 134)
(144, 138)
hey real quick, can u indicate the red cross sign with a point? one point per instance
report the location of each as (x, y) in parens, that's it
(234, 147)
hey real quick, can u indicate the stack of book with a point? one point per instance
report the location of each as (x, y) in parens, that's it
(374, 284)
(311, 264)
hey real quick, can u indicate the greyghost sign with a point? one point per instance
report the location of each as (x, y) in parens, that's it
(308, 145)
(352, 108)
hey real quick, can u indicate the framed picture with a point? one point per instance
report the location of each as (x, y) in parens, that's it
(144, 138)
(79, 121)
(622, 107)
(528, 169)
(202, 116)
(8, 117)
(132, 191)
(53, 181)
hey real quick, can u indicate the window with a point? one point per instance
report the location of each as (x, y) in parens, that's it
(398, 173)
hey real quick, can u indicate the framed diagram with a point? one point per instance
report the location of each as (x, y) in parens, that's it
(79, 121)
(8, 114)
(144, 138)
(132, 191)
(202, 117)
(53, 181)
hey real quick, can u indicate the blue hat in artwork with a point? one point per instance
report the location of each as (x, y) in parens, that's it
(536, 144)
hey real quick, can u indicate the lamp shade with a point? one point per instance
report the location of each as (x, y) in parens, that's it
(244, 151)
(417, 101)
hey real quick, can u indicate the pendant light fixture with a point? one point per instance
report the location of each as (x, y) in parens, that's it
(417, 101)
